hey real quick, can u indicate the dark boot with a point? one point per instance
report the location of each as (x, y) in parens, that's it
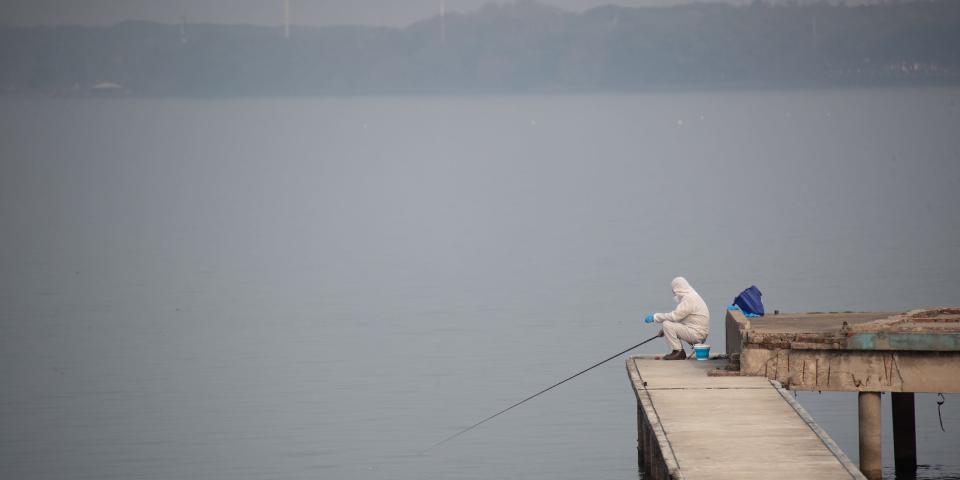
(676, 355)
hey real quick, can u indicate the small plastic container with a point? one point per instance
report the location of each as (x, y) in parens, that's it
(702, 351)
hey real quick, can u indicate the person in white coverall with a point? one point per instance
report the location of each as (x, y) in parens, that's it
(689, 322)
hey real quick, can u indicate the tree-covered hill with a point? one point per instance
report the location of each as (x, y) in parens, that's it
(521, 46)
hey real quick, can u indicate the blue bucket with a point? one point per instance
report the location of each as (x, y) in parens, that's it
(702, 351)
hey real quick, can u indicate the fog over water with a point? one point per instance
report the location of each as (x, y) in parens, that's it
(325, 287)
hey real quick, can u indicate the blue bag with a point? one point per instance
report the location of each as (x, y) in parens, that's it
(749, 301)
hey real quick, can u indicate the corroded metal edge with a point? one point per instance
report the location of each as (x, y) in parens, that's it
(907, 341)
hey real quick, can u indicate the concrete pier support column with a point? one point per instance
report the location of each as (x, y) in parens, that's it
(904, 433)
(870, 456)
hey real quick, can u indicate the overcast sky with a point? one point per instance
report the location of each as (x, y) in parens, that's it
(264, 12)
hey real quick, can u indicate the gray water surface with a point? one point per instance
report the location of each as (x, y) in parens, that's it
(323, 288)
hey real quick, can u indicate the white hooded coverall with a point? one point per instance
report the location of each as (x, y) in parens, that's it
(690, 321)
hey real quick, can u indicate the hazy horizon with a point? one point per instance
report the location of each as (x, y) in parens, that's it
(259, 12)
(517, 47)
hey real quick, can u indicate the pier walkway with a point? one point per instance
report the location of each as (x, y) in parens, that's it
(691, 425)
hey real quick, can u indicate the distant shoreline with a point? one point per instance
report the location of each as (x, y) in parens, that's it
(665, 90)
(514, 48)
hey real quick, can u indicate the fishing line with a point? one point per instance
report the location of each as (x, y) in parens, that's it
(491, 417)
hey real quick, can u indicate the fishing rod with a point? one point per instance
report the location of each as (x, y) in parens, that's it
(545, 390)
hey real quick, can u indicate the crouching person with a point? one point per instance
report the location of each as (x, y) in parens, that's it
(689, 322)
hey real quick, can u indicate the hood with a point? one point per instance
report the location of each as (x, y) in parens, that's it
(681, 288)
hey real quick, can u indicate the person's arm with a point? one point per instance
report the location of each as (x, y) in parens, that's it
(683, 309)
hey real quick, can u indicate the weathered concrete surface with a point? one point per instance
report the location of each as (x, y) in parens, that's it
(916, 351)
(691, 426)
(812, 322)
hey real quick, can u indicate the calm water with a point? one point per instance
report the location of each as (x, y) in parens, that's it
(323, 288)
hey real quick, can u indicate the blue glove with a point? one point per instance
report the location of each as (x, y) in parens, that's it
(649, 318)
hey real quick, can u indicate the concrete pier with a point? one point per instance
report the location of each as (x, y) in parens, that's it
(916, 351)
(868, 353)
(691, 425)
